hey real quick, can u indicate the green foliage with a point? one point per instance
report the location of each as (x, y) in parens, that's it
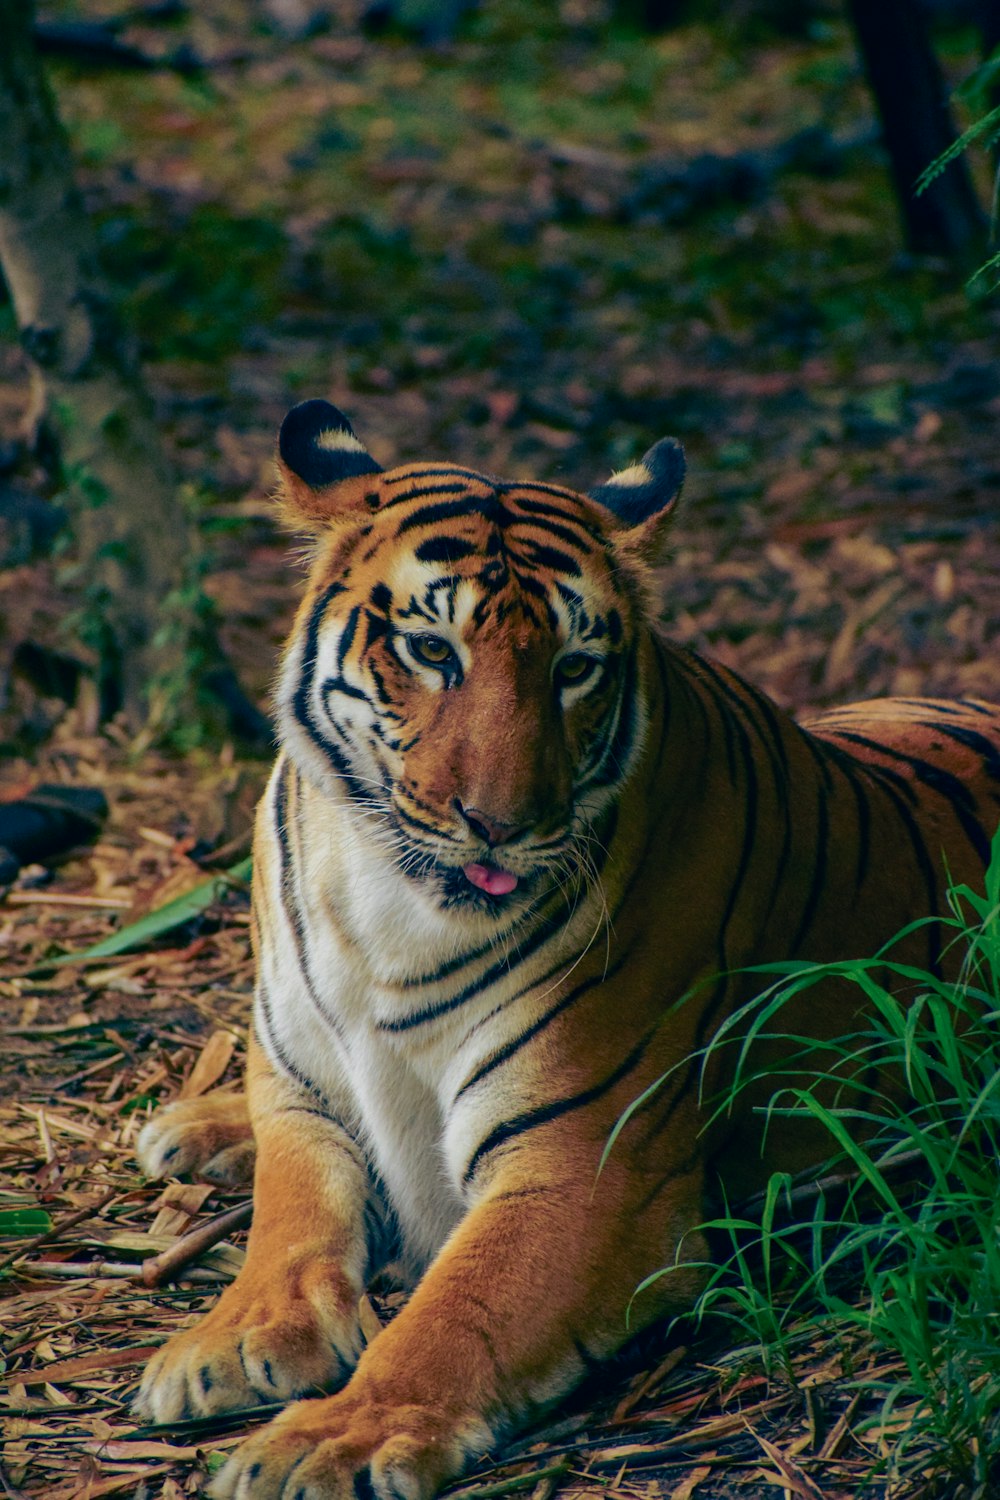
(902, 1245)
(164, 919)
(191, 290)
(15, 1223)
(986, 129)
(976, 92)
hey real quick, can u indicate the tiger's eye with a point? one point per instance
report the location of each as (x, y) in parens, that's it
(575, 667)
(432, 650)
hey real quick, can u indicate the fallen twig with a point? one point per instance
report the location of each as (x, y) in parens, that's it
(98, 1270)
(70, 1222)
(509, 1486)
(163, 1267)
(67, 898)
(221, 1421)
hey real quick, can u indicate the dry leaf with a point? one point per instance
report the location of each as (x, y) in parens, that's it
(791, 1476)
(213, 1061)
(72, 1369)
(690, 1483)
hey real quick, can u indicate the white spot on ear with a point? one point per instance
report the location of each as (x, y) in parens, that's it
(338, 440)
(632, 477)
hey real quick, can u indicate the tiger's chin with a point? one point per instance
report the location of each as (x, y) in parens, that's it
(486, 889)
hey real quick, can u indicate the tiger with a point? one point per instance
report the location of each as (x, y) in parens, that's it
(515, 855)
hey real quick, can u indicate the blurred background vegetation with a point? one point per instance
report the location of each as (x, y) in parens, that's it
(534, 237)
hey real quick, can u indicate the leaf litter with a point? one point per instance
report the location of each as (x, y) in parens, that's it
(840, 538)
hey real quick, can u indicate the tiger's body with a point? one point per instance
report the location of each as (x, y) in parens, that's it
(509, 829)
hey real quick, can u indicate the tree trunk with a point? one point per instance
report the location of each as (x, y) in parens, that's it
(132, 539)
(911, 96)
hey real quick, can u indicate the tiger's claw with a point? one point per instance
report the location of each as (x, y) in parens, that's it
(208, 1137)
(267, 1339)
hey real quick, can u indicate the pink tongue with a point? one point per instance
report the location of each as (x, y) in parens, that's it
(495, 882)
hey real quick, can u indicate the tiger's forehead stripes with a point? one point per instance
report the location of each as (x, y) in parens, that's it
(501, 502)
(513, 541)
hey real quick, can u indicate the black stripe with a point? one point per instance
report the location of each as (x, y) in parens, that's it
(542, 1114)
(504, 1053)
(553, 528)
(449, 471)
(302, 705)
(531, 585)
(347, 689)
(987, 750)
(529, 529)
(849, 770)
(617, 750)
(935, 705)
(899, 790)
(753, 707)
(444, 549)
(734, 734)
(407, 817)
(554, 516)
(678, 1169)
(499, 970)
(289, 901)
(519, 487)
(821, 861)
(544, 556)
(955, 792)
(264, 1015)
(445, 510)
(347, 636)
(421, 492)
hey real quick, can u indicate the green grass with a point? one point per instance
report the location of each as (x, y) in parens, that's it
(900, 1250)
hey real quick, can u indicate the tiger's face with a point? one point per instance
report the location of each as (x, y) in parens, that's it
(464, 666)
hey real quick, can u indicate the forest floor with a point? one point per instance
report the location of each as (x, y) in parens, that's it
(533, 249)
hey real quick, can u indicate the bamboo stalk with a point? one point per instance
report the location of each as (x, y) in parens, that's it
(103, 1270)
(165, 1266)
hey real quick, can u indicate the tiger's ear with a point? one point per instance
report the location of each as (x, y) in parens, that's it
(643, 497)
(317, 453)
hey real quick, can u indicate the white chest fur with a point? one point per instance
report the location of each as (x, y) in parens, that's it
(383, 1002)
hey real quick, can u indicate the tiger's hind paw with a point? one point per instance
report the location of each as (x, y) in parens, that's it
(209, 1137)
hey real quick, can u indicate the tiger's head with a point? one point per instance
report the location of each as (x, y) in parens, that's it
(465, 665)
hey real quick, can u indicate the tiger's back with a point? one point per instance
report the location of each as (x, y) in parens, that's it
(514, 856)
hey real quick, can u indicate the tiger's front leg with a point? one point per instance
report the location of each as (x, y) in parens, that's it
(534, 1284)
(289, 1323)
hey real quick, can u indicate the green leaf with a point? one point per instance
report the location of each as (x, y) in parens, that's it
(138, 1101)
(989, 123)
(164, 919)
(17, 1223)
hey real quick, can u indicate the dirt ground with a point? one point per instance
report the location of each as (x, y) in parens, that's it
(505, 250)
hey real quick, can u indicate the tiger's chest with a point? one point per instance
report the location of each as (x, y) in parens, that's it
(385, 1007)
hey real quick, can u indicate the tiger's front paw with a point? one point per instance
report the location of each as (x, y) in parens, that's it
(275, 1333)
(351, 1445)
(209, 1137)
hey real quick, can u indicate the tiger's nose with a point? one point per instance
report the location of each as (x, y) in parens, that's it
(491, 830)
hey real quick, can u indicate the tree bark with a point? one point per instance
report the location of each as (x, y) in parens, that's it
(911, 97)
(133, 541)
